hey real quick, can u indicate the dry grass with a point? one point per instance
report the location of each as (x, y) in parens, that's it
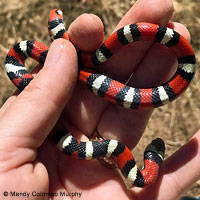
(23, 19)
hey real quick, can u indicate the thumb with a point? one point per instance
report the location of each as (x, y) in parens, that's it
(29, 118)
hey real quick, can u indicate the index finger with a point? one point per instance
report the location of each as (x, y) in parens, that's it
(158, 12)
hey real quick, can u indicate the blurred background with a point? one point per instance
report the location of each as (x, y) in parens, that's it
(27, 20)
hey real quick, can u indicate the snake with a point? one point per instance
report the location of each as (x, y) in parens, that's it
(121, 155)
(115, 92)
(101, 85)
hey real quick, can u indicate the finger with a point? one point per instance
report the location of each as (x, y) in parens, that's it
(180, 28)
(183, 166)
(87, 33)
(7, 104)
(178, 172)
(158, 12)
(32, 115)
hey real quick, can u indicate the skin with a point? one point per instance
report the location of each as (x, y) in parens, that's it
(29, 161)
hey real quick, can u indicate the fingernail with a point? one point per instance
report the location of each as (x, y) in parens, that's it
(54, 53)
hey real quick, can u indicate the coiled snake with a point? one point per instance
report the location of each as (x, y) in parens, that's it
(112, 90)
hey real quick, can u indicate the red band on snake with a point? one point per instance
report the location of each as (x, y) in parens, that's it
(113, 91)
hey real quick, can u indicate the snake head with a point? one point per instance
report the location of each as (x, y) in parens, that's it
(157, 146)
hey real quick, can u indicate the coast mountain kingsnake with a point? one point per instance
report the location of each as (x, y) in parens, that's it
(112, 90)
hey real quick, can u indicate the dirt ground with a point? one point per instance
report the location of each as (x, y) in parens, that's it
(175, 122)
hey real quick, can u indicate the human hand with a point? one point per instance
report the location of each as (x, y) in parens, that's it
(28, 118)
(84, 113)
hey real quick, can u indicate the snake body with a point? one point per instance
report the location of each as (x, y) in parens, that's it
(122, 156)
(112, 90)
(100, 84)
